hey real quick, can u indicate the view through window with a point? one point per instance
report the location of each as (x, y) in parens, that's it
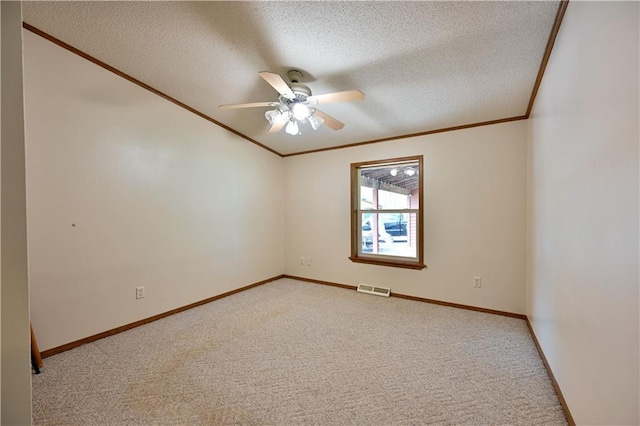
(387, 212)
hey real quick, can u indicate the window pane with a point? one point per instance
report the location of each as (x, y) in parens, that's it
(393, 200)
(366, 198)
(369, 243)
(395, 224)
(397, 234)
(401, 230)
(389, 186)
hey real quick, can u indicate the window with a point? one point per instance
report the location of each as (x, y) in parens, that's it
(386, 212)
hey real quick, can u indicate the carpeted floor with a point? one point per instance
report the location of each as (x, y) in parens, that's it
(295, 353)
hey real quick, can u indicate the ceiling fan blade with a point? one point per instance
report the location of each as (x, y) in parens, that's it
(329, 120)
(349, 95)
(249, 105)
(277, 83)
(277, 126)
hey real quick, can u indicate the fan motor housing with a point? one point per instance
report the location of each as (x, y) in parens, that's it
(300, 89)
(294, 76)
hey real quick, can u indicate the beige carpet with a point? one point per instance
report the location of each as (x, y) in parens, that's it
(295, 353)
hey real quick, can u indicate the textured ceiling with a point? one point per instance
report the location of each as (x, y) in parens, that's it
(422, 65)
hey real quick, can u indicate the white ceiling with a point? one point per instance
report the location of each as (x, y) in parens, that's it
(422, 65)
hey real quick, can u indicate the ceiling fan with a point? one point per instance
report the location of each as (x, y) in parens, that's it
(296, 104)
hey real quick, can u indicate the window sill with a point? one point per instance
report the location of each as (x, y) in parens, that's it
(393, 264)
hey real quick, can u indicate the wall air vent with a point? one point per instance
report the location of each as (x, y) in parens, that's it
(378, 291)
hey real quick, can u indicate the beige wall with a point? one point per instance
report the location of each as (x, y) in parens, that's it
(160, 197)
(15, 365)
(582, 293)
(475, 200)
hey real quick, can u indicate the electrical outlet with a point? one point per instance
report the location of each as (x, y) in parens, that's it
(309, 261)
(302, 261)
(140, 292)
(477, 282)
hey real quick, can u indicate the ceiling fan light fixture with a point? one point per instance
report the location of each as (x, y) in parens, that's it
(300, 111)
(292, 128)
(295, 104)
(273, 116)
(315, 121)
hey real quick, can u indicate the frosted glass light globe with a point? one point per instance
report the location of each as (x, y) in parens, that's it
(300, 111)
(315, 121)
(292, 128)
